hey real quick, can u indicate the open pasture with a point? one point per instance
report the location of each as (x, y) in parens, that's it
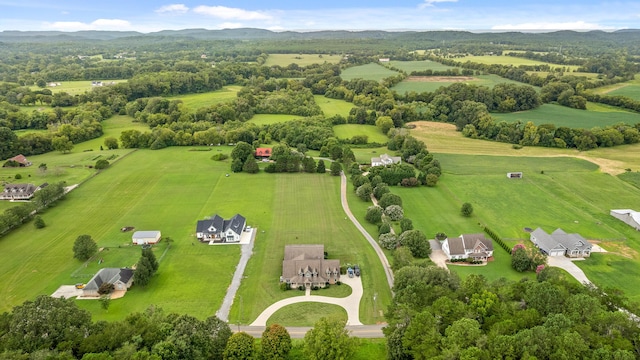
(630, 89)
(285, 60)
(331, 107)
(513, 60)
(267, 119)
(573, 118)
(411, 66)
(433, 83)
(77, 87)
(372, 71)
(196, 101)
(347, 131)
(304, 209)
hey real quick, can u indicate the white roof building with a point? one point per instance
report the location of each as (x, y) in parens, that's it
(628, 216)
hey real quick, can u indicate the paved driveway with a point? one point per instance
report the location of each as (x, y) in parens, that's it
(437, 255)
(350, 303)
(67, 291)
(568, 265)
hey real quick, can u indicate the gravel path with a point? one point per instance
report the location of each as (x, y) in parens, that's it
(247, 251)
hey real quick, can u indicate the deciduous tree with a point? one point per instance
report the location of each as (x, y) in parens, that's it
(466, 210)
(329, 340)
(276, 342)
(240, 347)
(84, 247)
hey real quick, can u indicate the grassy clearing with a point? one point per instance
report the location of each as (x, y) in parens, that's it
(632, 178)
(347, 131)
(196, 101)
(76, 87)
(515, 61)
(306, 314)
(630, 89)
(339, 291)
(301, 59)
(364, 155)
(613, 270)
(573, 118)
(373, 71)
(331, 107)
(411, 66)
(424, 86)
(267, 119)
(291, 221)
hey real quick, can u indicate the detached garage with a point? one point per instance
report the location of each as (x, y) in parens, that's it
(146, 237)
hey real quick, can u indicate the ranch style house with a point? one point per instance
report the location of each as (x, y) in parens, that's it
(559, 243)
(218, 229)
(121, 278)
(474, 246)
(305, 265)
(19, 191)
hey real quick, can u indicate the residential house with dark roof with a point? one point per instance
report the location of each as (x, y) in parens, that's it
(217, 229)
(121, 278)
(305, 265)
(18, 192)
(474, 246)
(559, 243)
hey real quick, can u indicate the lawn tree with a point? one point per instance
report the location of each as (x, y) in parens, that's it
(276, 342)
(389, 199)
(329, 340)
(336, 168)
(250, 166)
(401, 257)
(431, 180)
(84, 247)
(388, 241)
(364, 192)
(359, 180)
(62, 143)
(417, 242)
(384, 228)
(38, 223)
(145, 268)
(242, 151)
(406, 224)
(101, 164)
(321, 168)
(308, 164)
(374, 214)
(105, 302)
(236, 165)
(240, 347)
(111, 143)
(380, 189)
(148, 253)
(466, 210)
(394, 212)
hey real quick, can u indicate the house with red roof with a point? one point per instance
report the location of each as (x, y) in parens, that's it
(263, 153)
(21, 160)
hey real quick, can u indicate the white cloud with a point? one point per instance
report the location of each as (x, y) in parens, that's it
(228, 13)
(99, 24)
(574, 25)
(230, 25)
(429, 3)
(173, 8)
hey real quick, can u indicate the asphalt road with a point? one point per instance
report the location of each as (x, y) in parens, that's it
(360, 331)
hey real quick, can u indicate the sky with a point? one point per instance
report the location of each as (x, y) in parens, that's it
(472, 15)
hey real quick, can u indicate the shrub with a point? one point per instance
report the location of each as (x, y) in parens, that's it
(389, 199)
(406, 224)
(106, 288)
(18, 177)
(394, 212)
(384, 228)
(466, 210)
(388, 241)
(431, 180)
(441, 236)
(364, 192)
(409, 182)
(285, 286)
(219, 157)
(101, 164)
(380, 189)
(38, 223)
(374, 214)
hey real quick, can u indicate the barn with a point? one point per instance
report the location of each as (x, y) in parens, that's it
(146, 237)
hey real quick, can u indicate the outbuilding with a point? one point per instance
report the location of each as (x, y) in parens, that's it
(146, 237)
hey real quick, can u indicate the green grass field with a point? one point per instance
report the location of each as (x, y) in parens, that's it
(430, 86)
(76, 87)
(565, 116)
(196, 101)
(347, 131)
(373, 71)
(410, 66)
(301, 59)
(512, 60)
(267, 119)
(306, 314)
(331, 107)
(631, 90)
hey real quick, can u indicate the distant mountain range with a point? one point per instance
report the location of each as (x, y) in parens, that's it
(261, 34)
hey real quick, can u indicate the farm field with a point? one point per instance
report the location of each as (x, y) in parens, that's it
(373, 71)
(331, 107)
(76, 87)
(196, 101)
(347, 131)
(430, 84)
(267, 119)
(629, 89)
(411, 66)
(512, 60)
(296, 224)
(301, 59)
(573, 118)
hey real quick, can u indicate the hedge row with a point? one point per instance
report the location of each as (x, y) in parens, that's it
(497, 239)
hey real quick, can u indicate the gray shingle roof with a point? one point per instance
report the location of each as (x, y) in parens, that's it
(560, 240)
(109, 275)
(217, 225)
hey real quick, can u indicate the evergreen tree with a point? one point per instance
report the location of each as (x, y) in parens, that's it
(250, 166)
(321, 169)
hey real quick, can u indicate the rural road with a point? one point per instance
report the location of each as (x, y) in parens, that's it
(360, 331)
(247, 251)
(374, 244)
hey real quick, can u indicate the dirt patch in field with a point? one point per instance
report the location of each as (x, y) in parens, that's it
(440, 78)
(619, 248)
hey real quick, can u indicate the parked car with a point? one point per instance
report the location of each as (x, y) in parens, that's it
(356, 270)
(80, 286)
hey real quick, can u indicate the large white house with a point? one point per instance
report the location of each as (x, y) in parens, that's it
(628, 216)
(474, 246)
(385, 159)
(218, 229)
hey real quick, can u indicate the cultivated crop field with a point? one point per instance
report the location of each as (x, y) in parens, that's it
(301, 59)
(573, 118)
(375, 72)
(432, 83)
(331, 107)
(347, 131)
(629, 89)
(196, 101)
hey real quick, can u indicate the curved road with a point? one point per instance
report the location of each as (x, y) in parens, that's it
(374, 244)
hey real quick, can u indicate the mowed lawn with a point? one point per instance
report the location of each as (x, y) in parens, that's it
(373, 71)
(347, 131)
(196, 101)
(301, 59)
(573, 118)
(305, 209)
(331, 107)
